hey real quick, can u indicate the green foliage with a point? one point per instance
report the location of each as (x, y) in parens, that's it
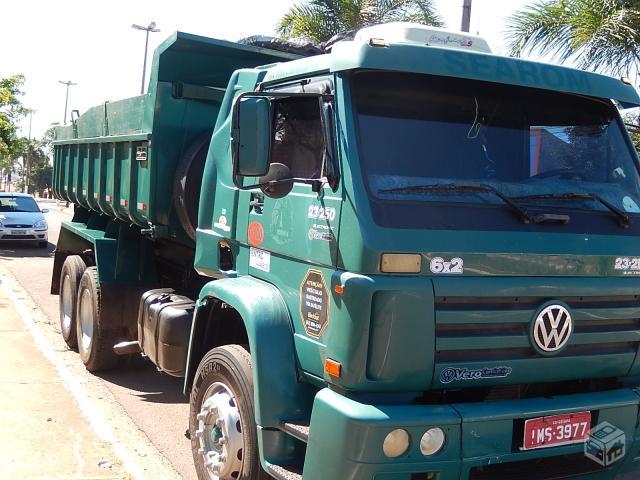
(11, 111)
(319, 20)
(632, 122)
(36, 170)
(600, 34)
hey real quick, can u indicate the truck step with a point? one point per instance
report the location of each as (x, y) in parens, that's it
(284, 473)
(127, 348)
(300, 430)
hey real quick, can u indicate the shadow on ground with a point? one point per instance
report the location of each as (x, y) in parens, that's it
(19, 249)
(142, 377)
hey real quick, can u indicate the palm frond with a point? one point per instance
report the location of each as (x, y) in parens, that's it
(601, 34)
(319, 20)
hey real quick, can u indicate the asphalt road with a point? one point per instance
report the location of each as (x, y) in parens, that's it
(153, 401)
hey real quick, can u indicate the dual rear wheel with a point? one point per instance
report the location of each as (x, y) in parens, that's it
(81, 319)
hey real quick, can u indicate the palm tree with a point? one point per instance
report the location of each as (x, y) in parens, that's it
(319, 20)
(599, 34)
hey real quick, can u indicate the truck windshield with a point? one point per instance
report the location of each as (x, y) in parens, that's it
(528, 144)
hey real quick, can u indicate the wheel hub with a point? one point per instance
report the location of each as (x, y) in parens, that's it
(220, 433)
(67, 303)
(86, 319)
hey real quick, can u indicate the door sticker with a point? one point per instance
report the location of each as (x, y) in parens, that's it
(314, 303)
(255, 233)
(259, 259)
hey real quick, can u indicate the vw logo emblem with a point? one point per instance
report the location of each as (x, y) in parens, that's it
(552, 328)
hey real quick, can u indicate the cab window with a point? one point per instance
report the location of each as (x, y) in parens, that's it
(298, 140)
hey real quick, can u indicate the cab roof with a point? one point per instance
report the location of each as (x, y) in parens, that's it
(473, 65)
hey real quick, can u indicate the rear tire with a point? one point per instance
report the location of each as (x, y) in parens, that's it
(95, 338)
(72, 270)
(223, 389)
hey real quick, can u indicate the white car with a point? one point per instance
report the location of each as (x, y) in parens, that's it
(21, 219)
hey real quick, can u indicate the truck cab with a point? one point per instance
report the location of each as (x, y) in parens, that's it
(415, 260)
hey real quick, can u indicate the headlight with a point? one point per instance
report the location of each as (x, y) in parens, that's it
(40, 225)
(432, 441)
(396, 443)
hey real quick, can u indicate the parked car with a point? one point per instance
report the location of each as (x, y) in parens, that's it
(22, 219)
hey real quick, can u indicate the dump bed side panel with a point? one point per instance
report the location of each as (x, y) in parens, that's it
(120, 158)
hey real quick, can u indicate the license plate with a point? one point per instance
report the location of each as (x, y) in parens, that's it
(18, 232)
(556, 430)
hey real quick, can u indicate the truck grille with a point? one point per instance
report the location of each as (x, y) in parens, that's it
(496, 331)
(18, 237)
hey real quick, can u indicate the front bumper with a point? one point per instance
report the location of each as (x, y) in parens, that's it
(23, 234)
(482, 443)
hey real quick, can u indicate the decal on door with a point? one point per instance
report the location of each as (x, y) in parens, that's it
(314, 303)
(255, 233)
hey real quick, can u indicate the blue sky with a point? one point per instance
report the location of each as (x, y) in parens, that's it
(92, 43)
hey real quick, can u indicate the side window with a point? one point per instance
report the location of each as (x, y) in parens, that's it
(298, 140)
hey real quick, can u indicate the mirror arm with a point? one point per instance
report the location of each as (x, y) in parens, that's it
(316, 183)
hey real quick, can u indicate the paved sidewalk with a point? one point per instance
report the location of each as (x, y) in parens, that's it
(43, 435)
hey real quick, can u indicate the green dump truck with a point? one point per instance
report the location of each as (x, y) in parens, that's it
(403, 259)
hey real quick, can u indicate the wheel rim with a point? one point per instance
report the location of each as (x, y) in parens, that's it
(86, 319)
(67, 305)
(220, 433)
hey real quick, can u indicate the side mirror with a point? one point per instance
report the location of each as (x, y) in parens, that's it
(252, 136)
(45, 210)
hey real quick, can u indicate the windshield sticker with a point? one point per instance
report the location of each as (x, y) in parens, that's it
(439, 265)
(629, 205)
(314, 303)
(452, 374)
(259, 259)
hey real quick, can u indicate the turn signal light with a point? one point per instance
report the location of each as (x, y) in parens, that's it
(400, 262)
(332, 367)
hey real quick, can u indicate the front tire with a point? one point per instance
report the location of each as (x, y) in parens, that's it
(72, 270)
(224, 441)
(95, 338)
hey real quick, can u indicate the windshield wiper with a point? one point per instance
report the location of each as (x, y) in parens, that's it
(623, 218)
(464, 187)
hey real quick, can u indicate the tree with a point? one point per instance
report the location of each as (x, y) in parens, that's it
(632, 122)
(11, 110)
(319, 20)
(600, 34)
(36, 171)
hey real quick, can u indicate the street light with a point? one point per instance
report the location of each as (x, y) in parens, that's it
(27, 160)
(150, 28)
(66, 100)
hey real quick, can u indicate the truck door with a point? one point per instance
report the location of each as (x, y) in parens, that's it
(302, 224)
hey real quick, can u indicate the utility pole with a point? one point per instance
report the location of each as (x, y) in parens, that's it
(466, 15)
(28, 156)
(150, 28)
(66, 100)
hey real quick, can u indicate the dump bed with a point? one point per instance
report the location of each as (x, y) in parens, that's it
(120, 158)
